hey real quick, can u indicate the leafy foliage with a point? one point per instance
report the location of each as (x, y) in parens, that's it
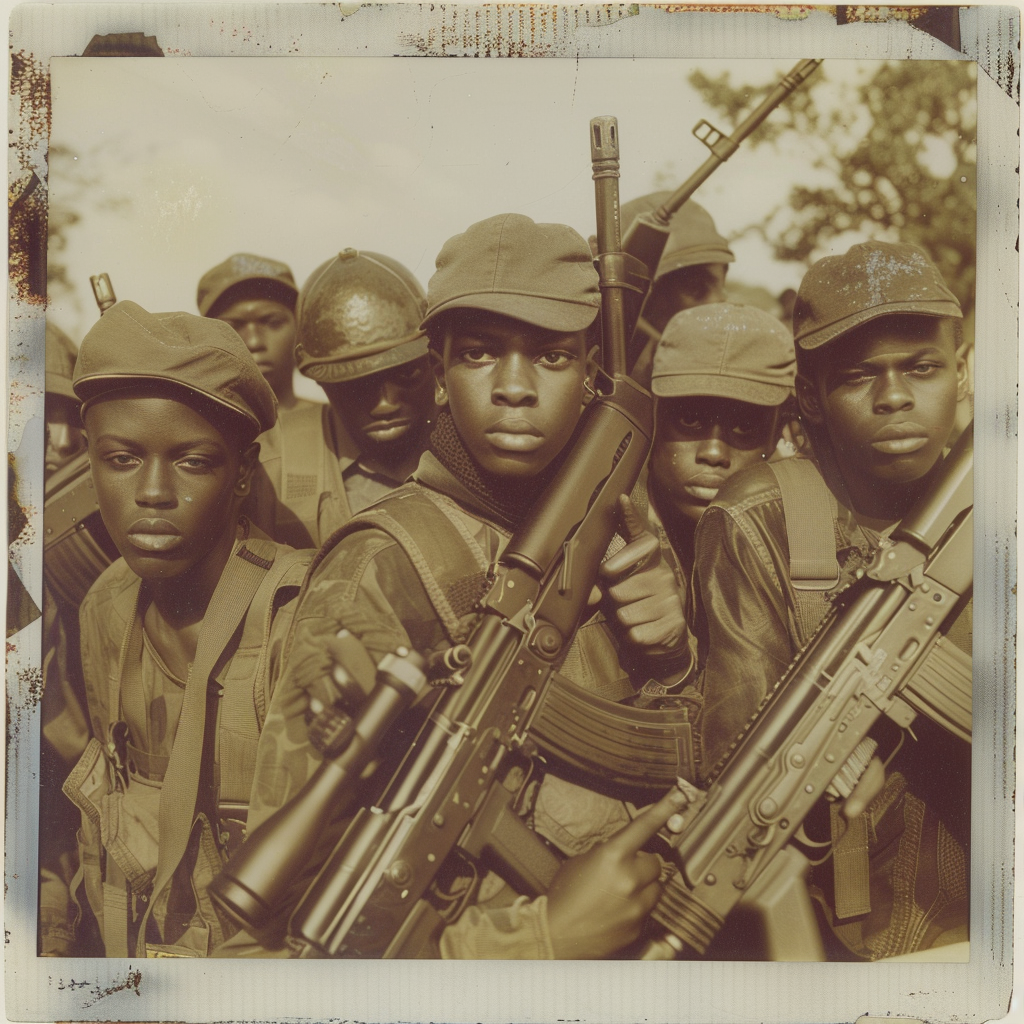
(895, 158)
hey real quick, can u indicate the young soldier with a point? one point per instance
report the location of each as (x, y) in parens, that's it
(64, 721)
(880, 369)
(64, 436)
(509, 310)
(691, 271)
(359, 338)
(256, 297)
(722, 376)
(175, 639)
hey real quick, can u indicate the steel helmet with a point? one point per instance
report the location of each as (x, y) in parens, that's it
(357, 314)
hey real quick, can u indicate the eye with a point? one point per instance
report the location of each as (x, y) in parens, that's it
(197, 463)
(555, 358)
(924, 369)
(408, 374)
(691, 421)
(745, 428)
(474, 355)
(122, 460)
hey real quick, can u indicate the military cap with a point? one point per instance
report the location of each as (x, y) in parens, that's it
(693, 238)
(542, 274)
(60, 362)
(358, 313)
(129, 345)
(240, 268)
(726, 350)
(873, 279)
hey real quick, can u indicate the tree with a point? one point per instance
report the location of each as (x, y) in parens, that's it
(897, 153)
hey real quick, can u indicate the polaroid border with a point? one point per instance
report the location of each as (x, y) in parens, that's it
(40, 989)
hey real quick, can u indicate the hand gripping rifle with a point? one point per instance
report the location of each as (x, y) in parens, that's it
(645, 238)
(880, 651)
(447, 798)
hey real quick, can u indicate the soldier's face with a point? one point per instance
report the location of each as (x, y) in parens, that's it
(515, 391)
(702, 441)
(268, 330)
(886, 396)
(64, 436)
(386, 411)
(168, 483)
(684, 289)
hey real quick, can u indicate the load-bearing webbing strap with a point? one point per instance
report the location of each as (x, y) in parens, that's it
(810, 511)
(242, 576)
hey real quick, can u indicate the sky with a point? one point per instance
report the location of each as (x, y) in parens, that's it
(179, 163)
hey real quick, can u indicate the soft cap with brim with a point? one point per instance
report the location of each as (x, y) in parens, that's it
(60, 362)
(725, 350)
(128, 346)
(692, 240)
(542, 274)
(873, 279)
(245, 267)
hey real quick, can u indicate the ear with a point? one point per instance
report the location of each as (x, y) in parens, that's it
(246, 467)
(964, 370)
(437, 369)
(807, 397)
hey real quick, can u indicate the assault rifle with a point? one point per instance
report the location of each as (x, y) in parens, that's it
(880, 651)
(451, 796)
(645, 238)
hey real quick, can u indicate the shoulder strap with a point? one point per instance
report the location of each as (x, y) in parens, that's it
(242, 708)
(811, 517)
(304, 450)
(448, 560)
(242, 576)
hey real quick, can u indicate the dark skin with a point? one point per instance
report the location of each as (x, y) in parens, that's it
(516, 393)
(683, 289)
(885, 397)
(267, 327)
(387, 414)
(515, 390)
(64, 435)
(170, 482)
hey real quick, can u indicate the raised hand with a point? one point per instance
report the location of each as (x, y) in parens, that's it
(648, 601)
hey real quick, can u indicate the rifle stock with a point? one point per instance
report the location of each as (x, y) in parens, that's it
(879, 652)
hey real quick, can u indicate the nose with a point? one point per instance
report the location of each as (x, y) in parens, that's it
(153, 486)
(515, 381)
(389, 400)
(63, 440)
(892, 392)
(252, 336)
(713, 451)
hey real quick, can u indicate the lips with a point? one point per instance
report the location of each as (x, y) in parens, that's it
(704, 488)
(386, 430)
(515, 434)
(900, 439)
(155, 535)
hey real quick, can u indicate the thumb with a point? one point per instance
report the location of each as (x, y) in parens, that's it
(646, 824)
(633, 520)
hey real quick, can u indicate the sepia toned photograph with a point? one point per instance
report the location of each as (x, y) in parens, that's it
(511, 510)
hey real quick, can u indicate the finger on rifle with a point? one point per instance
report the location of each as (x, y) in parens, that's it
(646, 824)
(869, 785)
(633, 519)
